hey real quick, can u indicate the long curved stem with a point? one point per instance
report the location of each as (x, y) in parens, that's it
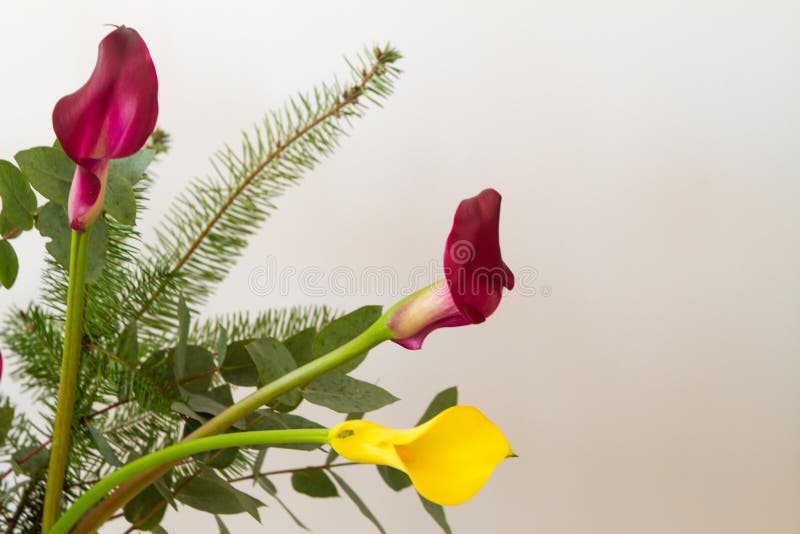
(179, 451)
(372, 336)
(70, 363)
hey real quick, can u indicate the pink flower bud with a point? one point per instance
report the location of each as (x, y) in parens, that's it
(110, 117)
(475, 276)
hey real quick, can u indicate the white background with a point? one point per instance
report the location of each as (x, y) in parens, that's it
(648, 157)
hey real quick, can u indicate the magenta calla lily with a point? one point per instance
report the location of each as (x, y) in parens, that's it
(110, 117)
(475, 276)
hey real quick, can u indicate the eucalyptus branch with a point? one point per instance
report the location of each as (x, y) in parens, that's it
(135, 295)
(372, 336)
(11, 233)
(176, 452)
(163, 502)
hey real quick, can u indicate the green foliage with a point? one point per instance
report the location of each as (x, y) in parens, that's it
(270, 488)
(273, 360)
(345, 394)
(48, 170)
(53, 223)
(140, 509)
(443, 400)
(341, 331)
(358, 501)
(210, 493)
(18, 200)
(436, 511)
(314, 483)
(151, 371)
(394, 478)
(9, 264)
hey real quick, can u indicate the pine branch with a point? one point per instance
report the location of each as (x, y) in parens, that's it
(279, 323)
(127, 396)
(207, 227)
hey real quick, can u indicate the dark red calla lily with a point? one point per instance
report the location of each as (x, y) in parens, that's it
(475, 276)
(110, 117)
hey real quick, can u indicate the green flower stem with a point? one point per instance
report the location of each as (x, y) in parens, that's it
(178, 452)
(372, 336)
(70, 363)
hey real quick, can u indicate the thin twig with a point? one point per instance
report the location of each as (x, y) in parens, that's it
(11, 233)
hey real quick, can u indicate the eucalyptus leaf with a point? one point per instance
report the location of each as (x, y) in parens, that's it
(179, 359)
(120, 200)
(164, 490)
(342, 330)
(98, 247)
(183, 409)
(7, 229)
(300, 345)
(6, 417)
(128, 343)
(394, 478)
(273, 360)
(197, 370)
(346, 394)
(209, 493)
(203, 404)
(49, 170)
(360, 504)
(140, 508)
(217, 458)
(221, 526)
(132, 168)
(444, 399)
(238, 367)
(9, 264)
(222, 342)
(52, 222)
(314, 483)
(103, 447)
(436, 511)
(35, 460)
(18, 200)
(267, 485)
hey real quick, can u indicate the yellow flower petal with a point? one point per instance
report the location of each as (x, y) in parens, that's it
(449, 458)
(366, 443)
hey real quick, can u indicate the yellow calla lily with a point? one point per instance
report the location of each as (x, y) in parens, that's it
(448, 458)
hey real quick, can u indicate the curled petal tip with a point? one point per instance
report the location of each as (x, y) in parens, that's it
(115, 111)
(475, 276)
(474, 266)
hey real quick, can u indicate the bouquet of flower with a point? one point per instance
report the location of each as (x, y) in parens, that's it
(137, 397)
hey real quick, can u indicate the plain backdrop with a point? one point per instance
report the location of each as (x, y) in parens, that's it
(648, 375)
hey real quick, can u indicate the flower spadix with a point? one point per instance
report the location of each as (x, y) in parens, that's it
(448, 458)
(110, 117)
(475, 276)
